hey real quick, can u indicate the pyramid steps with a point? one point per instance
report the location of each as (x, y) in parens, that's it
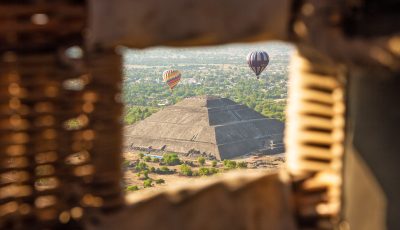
(209, 124)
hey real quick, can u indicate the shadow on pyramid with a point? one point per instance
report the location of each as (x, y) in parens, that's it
(211, 125)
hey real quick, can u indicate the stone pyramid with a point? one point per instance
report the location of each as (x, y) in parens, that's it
(208, 124)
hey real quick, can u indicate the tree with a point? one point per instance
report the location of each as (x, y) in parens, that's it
(204, 172)
(242, 164)
(171, 159)
(136, 113)
(214, 170)
(229, 164)
(141, 155)
(201, 160)
(214, 163)
(186, 170)
(207, 171)
(147, 158)
(132, 188)
(148, 183)
(160, 181)
(146, 174)
(140, 166)
(164, 170)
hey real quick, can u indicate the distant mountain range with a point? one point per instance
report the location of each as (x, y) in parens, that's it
(226, 54)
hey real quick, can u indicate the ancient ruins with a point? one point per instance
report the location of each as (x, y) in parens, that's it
(210, 125)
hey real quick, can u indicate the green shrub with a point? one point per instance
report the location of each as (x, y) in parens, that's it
(160, 181)
(201, 160)
(137, 113)
(214, 170)
(207, 171)
(186, 170)
(242, 164)
(230, 164)
(204, 171)
(152, 170)
(147, 158)
(141, 155)
(156, 160)
(171, 159)
(165, 169)
(214, 163)
(148, 183)
(132, 188)
(140, 166)
(146, 174)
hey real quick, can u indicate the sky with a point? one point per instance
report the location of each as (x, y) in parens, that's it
(223, 54)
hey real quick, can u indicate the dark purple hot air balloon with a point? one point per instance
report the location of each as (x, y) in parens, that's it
(258, 61)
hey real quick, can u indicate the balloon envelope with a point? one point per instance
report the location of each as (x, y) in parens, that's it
(258, 61)
(171, 77)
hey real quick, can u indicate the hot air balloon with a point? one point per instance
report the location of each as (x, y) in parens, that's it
(258, 61)
(171, 77)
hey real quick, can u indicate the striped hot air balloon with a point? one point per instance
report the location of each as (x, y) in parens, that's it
(258, 61)
(171, 77)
